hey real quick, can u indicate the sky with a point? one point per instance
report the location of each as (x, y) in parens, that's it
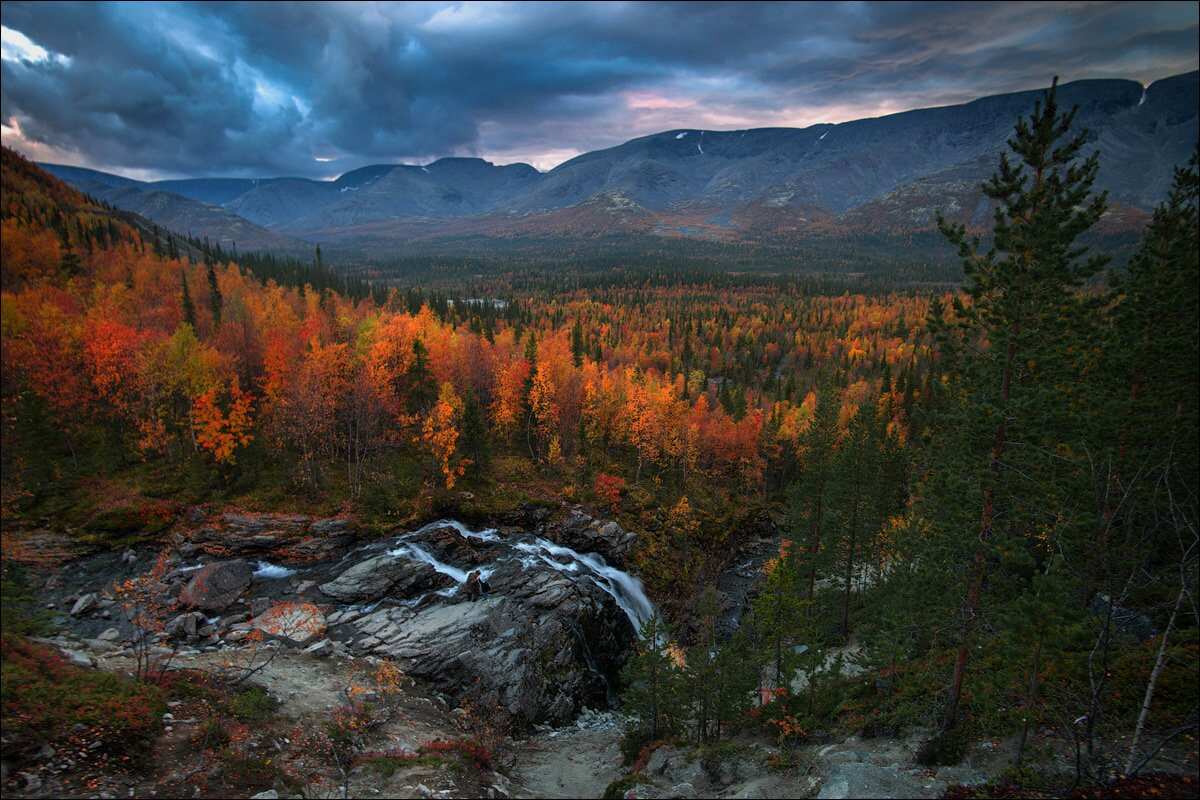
(155, 90)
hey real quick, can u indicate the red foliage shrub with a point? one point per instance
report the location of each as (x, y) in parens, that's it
(45, 699)
(608, 489)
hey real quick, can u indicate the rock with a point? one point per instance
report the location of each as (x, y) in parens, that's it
(269, 794)
(217, 585)
(320, 649)
(298, 623)
(85, 604)
(538, 661)
(129, 557)
(382, 575)
(262, 534)
(304, 586)
(858, 779)
(335, 526)
(77, 658)
(474, 588)
(259, 605)
(586, 534)
(184, 626)
(109, 635)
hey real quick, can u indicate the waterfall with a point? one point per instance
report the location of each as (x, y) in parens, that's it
(626, 590)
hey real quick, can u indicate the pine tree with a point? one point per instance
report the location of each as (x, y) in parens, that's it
(652, 681)
(215, 301)
(189, 310)
(857, 470)
(577, 345)
(474, 432)
(1007, 351)
(421, 386)
(778, 612)
(809, 497)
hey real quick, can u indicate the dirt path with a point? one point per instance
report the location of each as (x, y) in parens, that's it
(569, 762)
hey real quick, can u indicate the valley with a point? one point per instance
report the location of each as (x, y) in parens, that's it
(599, 400)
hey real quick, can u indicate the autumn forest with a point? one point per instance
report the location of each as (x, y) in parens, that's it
(980, 493)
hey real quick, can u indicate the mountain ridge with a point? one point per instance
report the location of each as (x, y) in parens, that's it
(890, 174)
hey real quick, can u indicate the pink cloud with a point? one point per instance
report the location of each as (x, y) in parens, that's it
(653, 101)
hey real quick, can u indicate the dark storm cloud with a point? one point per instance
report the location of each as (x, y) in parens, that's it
(316, 88)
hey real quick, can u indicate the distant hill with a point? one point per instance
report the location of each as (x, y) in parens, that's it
(777, 188)
(175, 206)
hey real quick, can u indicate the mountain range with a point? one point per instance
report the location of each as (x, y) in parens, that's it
(883, 177)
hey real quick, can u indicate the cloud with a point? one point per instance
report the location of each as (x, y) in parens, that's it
(319, 88)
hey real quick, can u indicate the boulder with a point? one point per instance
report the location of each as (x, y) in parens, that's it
(77, 658)
(298, 623)
(320, 649)
(540, 643)
(185, 626)
(259, 605)
(109, 635)
(474, 588)
(217, 585)
(586, 534)
(85, 604)
(384, 575)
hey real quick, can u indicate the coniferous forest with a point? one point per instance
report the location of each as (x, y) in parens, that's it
(959, 515)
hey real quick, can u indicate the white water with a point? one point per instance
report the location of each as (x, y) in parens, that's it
(485, 535)
(626, 590)
(272, 571)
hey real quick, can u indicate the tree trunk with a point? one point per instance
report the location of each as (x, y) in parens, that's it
(979, 568)
(1154, 673)
(1031, 697)
(853, 543)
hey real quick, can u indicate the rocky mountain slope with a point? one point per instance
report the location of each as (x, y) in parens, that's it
(889, 175)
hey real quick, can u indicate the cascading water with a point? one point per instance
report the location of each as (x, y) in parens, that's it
(625, 589)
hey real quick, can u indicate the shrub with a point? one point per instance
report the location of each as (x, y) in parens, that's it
(253, 705)
(617, 789)
(45, 698)
(608, 489)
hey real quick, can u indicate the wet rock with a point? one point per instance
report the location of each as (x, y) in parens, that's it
(298, 623)
(539, 644)
(217, 585)
(85, 604)
(382, 575)
(474, 588)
